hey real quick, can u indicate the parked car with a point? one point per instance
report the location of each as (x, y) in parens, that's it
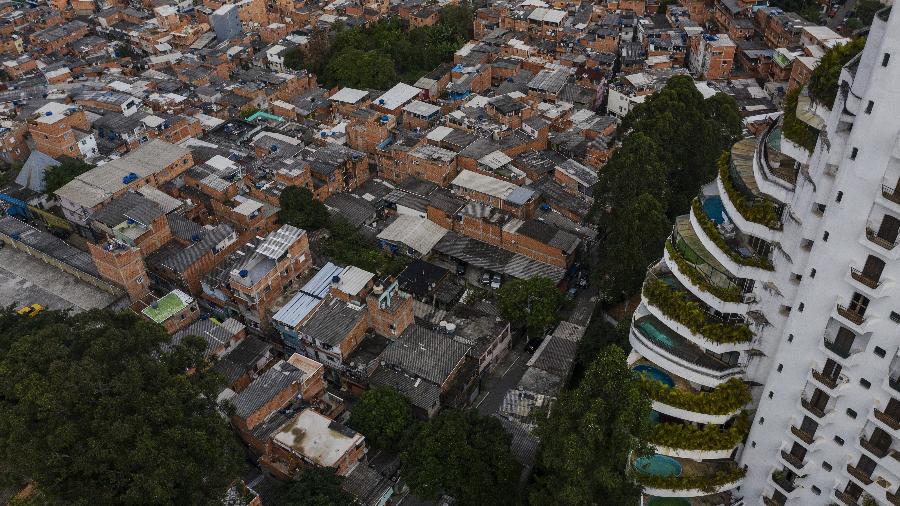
(496, 281)
(30, 311)
(832, 12)
(486, 278)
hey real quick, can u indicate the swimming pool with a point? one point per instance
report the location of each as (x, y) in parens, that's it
(714, 209)
(654, 373)
(658, 465)
(646, 326)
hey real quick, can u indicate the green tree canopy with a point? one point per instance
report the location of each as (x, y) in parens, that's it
(93, 410)
(636, 168)
(345, 245)
(465, 455)
(314, 486)
(300, 209)
(590, 435)
(533, 302)
(382, 415)
(823, 84)
(69, 168)
(635, 238)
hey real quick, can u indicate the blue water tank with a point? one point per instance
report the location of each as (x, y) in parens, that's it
(380, 101)
(545, 206)
(385, 118)
(335, 279)
(324, 134)
(273, 147)
(195, 237)
(243, 273)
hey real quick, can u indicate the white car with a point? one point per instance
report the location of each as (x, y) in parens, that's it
(496, 281)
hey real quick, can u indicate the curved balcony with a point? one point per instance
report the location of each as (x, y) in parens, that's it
(669, 302)
(683, 401)
(695, 479)
(660, 345)
(752, 212)
(728, 245)
(775, 172)
(688, 441)
(704, 277)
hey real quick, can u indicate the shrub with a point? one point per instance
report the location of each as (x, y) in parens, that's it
(823, 83)
(760, 210)
(727, 294)
(686, 436)
(713, 233)
(675, 305)
(722, 400)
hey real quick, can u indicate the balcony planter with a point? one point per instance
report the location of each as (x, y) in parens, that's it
(725, 399)
(762, 211)
(713, 233)
(674, 305)
(724, 479)
(729, 294)
(711, 438)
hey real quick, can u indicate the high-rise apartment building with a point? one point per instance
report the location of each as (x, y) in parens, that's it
(773, 319)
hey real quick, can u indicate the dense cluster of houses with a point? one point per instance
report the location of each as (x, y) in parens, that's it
(482, 169)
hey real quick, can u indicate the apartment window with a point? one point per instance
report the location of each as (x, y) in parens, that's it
(800, 307)
(790, 338)
(825, 236)
(839, 440)
(853, 153)
(879, 351)
(885, 59)
(780, 367)
(812, 273)
(863, 382)
(826, 466)
(859, 303)
(839, 197)
(869, 107)
(816, 490)
(851, 413)
(771, 394)
(762, 419)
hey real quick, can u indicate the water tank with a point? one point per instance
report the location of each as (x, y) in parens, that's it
(545, 206)
(195, 237)
(243, 273)
(324, 134)
(380, 101)
(273, 148)
(451, 327)
(378, 289)
(385, 118)
(335, 279)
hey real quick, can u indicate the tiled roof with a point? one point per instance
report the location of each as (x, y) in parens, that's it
(265, 387)
(425, 353)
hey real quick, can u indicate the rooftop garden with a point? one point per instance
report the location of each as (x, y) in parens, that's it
(759, 210)
(728, 294)
(729, 473)
(686, 436)
(713, 233)
(793, 129)
(722, 400)
(676, 305)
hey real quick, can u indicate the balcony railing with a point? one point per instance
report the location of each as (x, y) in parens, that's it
(891, 194)
(845, 498)
(864, 279)
(802, 435)
(768, 501)
(871, 448)
(858, 473)
(851, 315)
(825, 380)
(893, 497)
(818, 412)
(887, 419)
(792, 459)
(873, 237)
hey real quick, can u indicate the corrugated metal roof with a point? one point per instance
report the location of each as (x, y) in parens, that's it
(312, 293)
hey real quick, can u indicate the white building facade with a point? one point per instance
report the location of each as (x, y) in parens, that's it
(777, 306)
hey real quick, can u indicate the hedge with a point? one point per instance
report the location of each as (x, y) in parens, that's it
(729, 294)
(686, 436)
(707, 483)
(722, 400)
(761, 210)
(713, 233)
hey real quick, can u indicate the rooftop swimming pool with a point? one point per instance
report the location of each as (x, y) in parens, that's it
(658, 465)
(654, 373)
(714, 209)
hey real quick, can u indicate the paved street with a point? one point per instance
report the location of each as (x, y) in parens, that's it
(504, 378)
(842, 11)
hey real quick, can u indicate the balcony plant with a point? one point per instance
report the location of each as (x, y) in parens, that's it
(686, 436)
(722, 400)
(761, 210)
(675, 305)
(697, 278)
(709, 227)
(707, 483)
(795, 130)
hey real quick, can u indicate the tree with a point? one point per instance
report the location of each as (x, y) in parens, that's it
(94, 410)
(590, 435)
(823, 83)
(345, 245)
(865, 12)
(533, 302)
(598, 336)
(300, 209)
(69, 168)
(463, 454)
(362, 69)
(634, 240)
(382, 415)
(315, 486)
(636, 168)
